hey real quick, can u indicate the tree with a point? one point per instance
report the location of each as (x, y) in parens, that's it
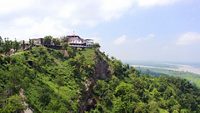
(14, 104)
(30, 42)
(56, 41)
(153, 107)
(140, 108)
(60, 81)
(96, 45)
(7, 46)
(1, 41)
(118, 68)
(1, 45)
(47, 40)
(65, 45)
(70, 51)
(44, 96)
(16, 45)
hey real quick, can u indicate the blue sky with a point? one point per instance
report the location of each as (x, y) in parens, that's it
(130, 30)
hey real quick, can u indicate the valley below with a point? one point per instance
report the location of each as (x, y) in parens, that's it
(186, 71)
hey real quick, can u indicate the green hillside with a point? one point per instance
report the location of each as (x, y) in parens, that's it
(87, 81)
(192, 77)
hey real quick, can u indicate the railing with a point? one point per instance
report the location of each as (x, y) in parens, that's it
(80, 46)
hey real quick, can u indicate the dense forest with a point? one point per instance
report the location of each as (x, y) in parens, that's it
(46, 81)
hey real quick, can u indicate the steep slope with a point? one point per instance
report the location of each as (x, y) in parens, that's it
(51, 82)
(87, 81)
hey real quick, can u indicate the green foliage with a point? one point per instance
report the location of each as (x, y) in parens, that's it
(6, 45)
(127, 91)
(16, 45)
(48, 40)
(70, 50)
(56, 41)
(13, 104)
(96, 45)
(54, 83)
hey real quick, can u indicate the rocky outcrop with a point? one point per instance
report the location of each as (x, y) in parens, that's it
(87, 102)
(64, 52)
(101, 71)
(101, 68)
(28, 109)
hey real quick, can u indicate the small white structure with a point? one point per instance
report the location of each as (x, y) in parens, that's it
(37, 41)
(24, 44)
(89, 42)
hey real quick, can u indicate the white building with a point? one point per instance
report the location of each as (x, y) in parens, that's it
(76, 41)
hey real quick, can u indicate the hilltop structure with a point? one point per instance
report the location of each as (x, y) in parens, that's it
(78, 42)
(37, 41)
(72, 40)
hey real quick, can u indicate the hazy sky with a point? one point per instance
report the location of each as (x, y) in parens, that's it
(131, 30)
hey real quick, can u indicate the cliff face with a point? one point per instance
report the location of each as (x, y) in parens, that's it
(101, 67)
(101, 72)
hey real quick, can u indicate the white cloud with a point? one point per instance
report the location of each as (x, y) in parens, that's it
(147, 38)
(22, 18)
(151, 3)
(25, 27)
(10, 6)
(92, 12)
(34, 17)
(121, 40)
(124, 39)
(115, 8)
(189, 38)
(23, 21)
